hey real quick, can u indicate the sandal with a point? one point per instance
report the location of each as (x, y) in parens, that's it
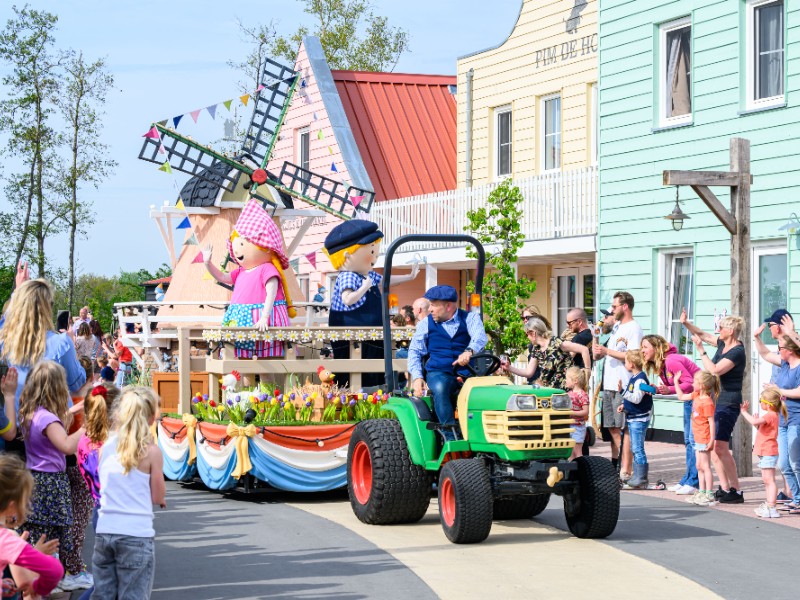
(791, 508)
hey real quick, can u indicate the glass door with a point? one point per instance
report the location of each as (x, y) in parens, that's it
(574, 287)
(769, 294)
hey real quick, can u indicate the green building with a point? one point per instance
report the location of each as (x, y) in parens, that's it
(677, 81)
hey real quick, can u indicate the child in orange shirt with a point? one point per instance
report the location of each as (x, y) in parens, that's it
(766, 446)
(706, 388)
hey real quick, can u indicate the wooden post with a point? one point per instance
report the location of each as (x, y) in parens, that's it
(184, 370)
(741, 442)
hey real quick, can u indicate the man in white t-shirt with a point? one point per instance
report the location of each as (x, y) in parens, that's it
(626, 335)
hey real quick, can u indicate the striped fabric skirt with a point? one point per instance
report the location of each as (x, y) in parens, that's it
(247, 315)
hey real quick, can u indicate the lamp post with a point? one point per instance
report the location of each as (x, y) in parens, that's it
(677, 216)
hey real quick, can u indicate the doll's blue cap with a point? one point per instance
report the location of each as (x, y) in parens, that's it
(350, 233)
(445, 293)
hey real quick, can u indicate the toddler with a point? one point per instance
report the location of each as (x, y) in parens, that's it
(575, 381)
(638, 405)
(766, 446)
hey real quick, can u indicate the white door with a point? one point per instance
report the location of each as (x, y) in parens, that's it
(572, 287)
(769, 294)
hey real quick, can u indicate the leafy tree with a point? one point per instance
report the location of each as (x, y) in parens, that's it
(261, 38)
(352, 36)
(497, 226)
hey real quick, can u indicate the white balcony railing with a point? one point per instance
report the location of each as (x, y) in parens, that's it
(557, 205)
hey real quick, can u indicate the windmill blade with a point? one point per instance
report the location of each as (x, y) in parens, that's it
(270, 110)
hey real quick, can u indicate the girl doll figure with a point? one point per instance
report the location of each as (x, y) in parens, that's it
(260, 296)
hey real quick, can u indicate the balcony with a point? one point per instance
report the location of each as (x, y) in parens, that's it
(557, 205)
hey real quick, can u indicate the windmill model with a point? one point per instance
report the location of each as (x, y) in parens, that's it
(277, 86)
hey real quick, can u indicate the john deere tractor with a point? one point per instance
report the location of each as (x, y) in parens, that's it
(513, 455)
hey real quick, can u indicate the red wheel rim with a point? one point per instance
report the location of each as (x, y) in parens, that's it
(361, 469)
(447, 502)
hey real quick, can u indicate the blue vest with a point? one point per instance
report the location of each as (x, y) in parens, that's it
(646, 405)
(443, 350)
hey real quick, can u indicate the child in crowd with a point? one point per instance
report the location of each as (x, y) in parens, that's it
(638, 406)
(706, 389)
(766, 446)
(575, 382)
(107, 376)
(131, 480)
(101, 361)
(44, 419)
(34, 571)
(8, 412)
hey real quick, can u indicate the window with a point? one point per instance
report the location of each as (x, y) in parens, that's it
(676, 73)
(678, 273)
(765, 53)
(551, 128)
(304, 148)
(302, 282)
(503, 135)
(572, 287)
(594, 125)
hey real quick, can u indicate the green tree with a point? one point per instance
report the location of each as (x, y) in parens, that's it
(352, 36)
(497, 226)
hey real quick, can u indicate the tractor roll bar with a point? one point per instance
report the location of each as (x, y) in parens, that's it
(387, 273)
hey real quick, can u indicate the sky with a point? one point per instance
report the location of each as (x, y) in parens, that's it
(169, 58)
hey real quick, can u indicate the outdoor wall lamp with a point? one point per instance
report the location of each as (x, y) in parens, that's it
(677, 216)
(792, 225)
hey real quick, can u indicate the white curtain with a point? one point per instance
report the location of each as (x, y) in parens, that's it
(770, 51)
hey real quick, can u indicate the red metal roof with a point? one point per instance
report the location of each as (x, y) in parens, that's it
(405, 129)
(157, 281)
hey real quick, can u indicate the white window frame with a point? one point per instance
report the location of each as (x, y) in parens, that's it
(666, 271)
(663, 54)
(594, 111)
(498, 112)
(303, 282)
(303, 131)
(750, 63)
(543, 129)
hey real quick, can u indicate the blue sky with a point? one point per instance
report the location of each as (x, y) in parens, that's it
(169, 58)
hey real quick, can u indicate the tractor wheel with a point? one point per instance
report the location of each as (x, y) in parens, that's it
(385, 487)
(519, 507)
(593, 510)
(465, 501)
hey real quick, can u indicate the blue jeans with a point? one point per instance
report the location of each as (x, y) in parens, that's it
(690, 477)
(443, 388)
(123, 567)
(637, 431)
(789, 451)
(124, 369)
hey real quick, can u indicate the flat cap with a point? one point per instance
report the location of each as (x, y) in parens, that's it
(349, 233)
(445, 293)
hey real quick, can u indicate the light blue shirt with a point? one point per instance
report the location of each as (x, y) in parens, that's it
(419, 347)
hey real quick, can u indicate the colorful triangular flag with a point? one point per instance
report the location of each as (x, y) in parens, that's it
(185, 224)
(161, 149)
(163, 123)
(198, 258)
(303, 83)
(176, 120)
(311, 257)
(259, 88)
(227, 104)
(179, 204)
(152, 133)
(320, 135)
(166, 168)
(207, 276)
(330, 150)
(316, 116)
(191, 241)
(245, 99)
(333, 168)
(195, 114)
(356, 200)
(212, 110)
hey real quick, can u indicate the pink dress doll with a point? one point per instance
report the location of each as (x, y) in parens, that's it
(259, 295)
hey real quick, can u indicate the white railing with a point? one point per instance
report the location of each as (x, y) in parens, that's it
(557, 205)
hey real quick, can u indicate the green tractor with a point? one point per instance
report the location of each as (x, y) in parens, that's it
(513, 455)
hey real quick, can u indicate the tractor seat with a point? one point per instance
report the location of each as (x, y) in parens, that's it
(423, 410)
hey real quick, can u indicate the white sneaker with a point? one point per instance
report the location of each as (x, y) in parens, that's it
(767, 512)
(674, 488)
(79, 581)
(693, 499)
(686, 490)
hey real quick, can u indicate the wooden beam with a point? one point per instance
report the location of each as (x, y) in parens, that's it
(716, 207)
(723, 178)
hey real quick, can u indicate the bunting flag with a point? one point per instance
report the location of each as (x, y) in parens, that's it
(207, 276)
(191, 241)
(152, 133)
(356, 200)
(320, 135)
(195, 114)
(198, 258)
(176, 120)
(259, 88)
(227, 104)
(161, 149)
(166, 168)
(245, 99)
(212, 110)
(316, 116)
(179, 205)
(330, 150)
(311, 257)
(163, 123)
(303, 83)
(333, 168)
(185, 224)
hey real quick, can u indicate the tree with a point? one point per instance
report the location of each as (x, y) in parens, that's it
(261, 38)
(497, 227)
(352, 37)
(85, 91)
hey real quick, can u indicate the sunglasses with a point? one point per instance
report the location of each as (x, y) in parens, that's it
(526, 317)
(569, 323)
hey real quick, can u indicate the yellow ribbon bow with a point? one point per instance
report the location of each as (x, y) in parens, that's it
(240, 435)
(190, 421)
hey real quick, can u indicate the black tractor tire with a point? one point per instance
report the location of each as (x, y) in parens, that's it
(384, 486)
(519, 507)
(465, 501)
(593, 510)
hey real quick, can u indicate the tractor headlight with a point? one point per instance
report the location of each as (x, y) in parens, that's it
(561, 402)
(521, 402)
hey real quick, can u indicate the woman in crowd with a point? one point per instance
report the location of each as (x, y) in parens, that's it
(728, 363)
(97, 332)
(84, 341)
(528, 313)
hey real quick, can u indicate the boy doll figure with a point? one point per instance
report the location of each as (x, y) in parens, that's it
(352, 248)
(260, 298)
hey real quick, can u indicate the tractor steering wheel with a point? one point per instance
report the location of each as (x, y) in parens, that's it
(493, 365)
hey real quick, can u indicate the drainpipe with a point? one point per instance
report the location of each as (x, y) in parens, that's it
(468, 174)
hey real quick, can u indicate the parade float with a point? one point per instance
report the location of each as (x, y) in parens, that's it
(247, 400)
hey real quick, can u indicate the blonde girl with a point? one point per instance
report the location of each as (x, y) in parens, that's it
(706, 390)
(44, 420)
(34, 571)
(575, 381)
(97, 408)
(131, 480)
(766, 446)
